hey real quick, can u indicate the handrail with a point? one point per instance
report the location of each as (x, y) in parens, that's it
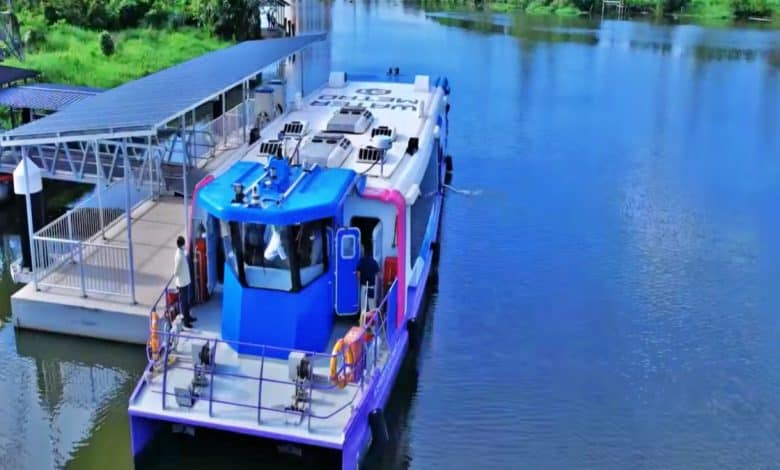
(367, 374)
(153, 310)
(76, 236)
(211, 144)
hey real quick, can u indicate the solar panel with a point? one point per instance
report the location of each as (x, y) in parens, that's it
(151, 101)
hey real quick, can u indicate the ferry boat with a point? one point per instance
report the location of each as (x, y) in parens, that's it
(290, 346)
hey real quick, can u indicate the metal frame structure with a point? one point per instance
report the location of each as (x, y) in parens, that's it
(133, 130)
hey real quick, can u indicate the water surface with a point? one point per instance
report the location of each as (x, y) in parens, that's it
(609, 301)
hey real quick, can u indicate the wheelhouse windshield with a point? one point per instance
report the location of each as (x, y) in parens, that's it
(278, 257)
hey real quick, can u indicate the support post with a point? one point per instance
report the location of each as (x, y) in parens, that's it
(185, 189)
(100, 191)
(28, 202)
(129, 221)
(154, 168)
(244, 101)
(194, 137)
(81, 269)
(300, 65)
(70, 226)
(224, 133)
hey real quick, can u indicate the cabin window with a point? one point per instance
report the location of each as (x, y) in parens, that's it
(348, 247)
(309, 240)
(227, 245)
(276, 257)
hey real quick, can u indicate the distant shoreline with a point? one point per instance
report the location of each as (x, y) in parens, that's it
(706, 11)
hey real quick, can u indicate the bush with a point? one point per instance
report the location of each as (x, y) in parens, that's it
(50, 13)
(86, 13)
(745, 8)
(129, 13)
(106, 43)
(33, 38)
(98, 15)
(229, 19)
(538, 7)
(157, 17)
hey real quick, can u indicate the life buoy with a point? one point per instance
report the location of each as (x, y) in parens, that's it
(154, 337)
(341, 378)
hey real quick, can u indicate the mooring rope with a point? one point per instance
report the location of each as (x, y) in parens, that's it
(464, 192)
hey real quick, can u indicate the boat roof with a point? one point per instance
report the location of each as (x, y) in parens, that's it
(314, 194)
(408, 108)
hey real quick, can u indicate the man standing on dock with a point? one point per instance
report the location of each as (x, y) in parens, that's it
(181, 276)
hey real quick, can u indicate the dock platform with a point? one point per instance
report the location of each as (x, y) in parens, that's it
(156, 224)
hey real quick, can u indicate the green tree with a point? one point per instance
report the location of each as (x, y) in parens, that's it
(229, 19)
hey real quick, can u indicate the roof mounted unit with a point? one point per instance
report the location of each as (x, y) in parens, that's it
(350, 120)
(377, 151)
(327, 150)
(271, 148)
(383, 130)
(295, 128)
(370, 155)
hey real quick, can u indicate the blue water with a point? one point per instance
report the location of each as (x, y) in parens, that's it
(608, 301)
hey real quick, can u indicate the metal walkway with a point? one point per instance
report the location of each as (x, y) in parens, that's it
(101, 161)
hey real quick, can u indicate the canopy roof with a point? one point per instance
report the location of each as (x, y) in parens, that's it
(140, 107)
(45, 96)
(14, 74)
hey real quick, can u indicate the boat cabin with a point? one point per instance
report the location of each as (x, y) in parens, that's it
(290, 258)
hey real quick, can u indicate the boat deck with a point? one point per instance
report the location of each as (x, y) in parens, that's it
(235, 400)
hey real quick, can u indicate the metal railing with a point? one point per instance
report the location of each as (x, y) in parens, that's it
(90, 267)
(228, 129)
(197, 144)
(375, 340)
(73, 251)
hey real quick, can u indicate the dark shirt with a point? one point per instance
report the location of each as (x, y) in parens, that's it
(368, 269)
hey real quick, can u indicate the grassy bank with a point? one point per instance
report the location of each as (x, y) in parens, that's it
(70, 54)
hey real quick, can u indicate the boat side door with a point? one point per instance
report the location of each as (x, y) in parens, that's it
(347, 279)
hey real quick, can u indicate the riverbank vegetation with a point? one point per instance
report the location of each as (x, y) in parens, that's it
(77, 56)
(705, 9)
(104, 43)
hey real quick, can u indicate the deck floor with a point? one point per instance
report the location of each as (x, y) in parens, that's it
(333, 403)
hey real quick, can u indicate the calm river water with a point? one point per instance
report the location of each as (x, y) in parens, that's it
(608, 301)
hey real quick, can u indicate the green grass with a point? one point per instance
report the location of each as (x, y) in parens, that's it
(568, 10)
(72, 55)
(502, 7)
(710, 9)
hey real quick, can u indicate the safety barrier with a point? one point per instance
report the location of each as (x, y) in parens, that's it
(72, 252)
(375, 339)
(228, 129)
(90, 267)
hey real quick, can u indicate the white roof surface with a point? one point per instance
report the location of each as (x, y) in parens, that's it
(397, 105)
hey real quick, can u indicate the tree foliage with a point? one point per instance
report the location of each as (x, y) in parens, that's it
(227, 19)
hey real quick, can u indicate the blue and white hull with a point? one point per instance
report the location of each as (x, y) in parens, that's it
(288, 346)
